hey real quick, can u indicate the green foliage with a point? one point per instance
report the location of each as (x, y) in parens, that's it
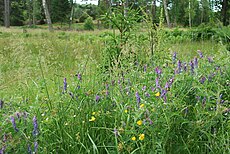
(88, 25)
(60, 10)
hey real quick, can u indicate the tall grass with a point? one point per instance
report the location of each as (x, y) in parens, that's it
(56, 100)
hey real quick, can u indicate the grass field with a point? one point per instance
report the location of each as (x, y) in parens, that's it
(55, 98)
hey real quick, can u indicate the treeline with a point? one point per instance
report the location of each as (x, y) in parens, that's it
(177, 12)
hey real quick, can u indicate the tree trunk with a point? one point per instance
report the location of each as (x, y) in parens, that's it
(47, 14)
(34, 12)
(224, 12)
(190, 20)
(7, 13)
(166, 14)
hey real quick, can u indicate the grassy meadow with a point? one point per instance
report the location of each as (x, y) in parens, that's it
(55, 96)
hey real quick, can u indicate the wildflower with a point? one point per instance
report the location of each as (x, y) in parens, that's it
(204, 102)
(79, 76)
(126, 111)
(157, 83)
(150, 121)
(1, 104)
(153, 89)
(29, 149)
(141, 137)
(179, 66)
(133, 138)
(138, 99)
(157, 94)
(147, 94)
(93, 113)
(145, 67)
(35, 131)
(14, 124)
(166, 85)
(195, 62)
(144, 88)
(35, 146)
(97, 98)
(192, 66)
(158, 71)
(115, 132)
(202, 80)
(185, 66)
(174, 57)
(139, 122)
(200, 53)
(142, 105)
(92, 118)
(65, 85)
(210, 59)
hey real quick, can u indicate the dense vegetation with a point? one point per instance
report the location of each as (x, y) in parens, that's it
(136, 87)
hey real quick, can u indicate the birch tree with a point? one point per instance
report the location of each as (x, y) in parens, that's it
(47, 15)
(7, 13)
(166, 13)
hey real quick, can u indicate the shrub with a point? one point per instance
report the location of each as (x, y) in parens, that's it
(88, 25)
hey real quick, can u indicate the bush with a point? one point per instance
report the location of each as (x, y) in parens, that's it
(88, 25)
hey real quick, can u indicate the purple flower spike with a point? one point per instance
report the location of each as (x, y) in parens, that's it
(174, 57)
(115, 132)
(179, 66)
(79, 76)
(147, 94)
(157, 83)
(29, 149)
(145, 68)
(144, 88)
(138, 99)
(158, 71)
(202, 80)
(195, 62)
(35, 147)
(166, 85)
(1, 103)
(192, 66)
(210, 59)
(185, 66)
(97, 98)
(65, 85)
(35, 123)
(14, 124)
(200, 54)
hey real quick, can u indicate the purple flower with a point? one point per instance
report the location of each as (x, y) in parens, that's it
(18, 115)
(138, 99)
(166, 85)
(145, 68)
(35, 147)
(97, 98)
(179, 66)
(65, 85)
(158, 71)
(185, 66)
(29, 149)
(157, 83)
(147, 94)
(171, 81)
(200, 53)
(14, 124)
(202, 80)
(115, 132)
(79, 76)
(163, 92)
(35, 123)
(204, 101)
(174, 57)
(192, 66)
(195, 62)
(153, 89)
(210, 59)
(1, 103)
(144, 88)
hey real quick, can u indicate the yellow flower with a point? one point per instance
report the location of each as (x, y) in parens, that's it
(133, 138)
(93, 113)
(92, 118)
(157, 94)
(142, 105)
(139, 122)
(126, 111)
(141, 137)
